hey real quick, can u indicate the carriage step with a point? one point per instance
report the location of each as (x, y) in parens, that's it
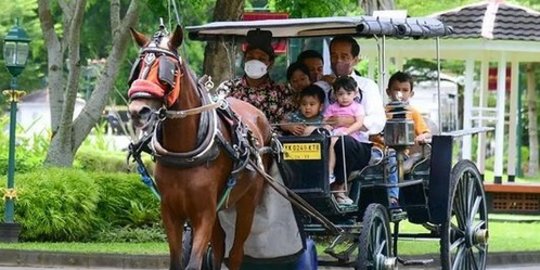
(397, 215)
(414, 262)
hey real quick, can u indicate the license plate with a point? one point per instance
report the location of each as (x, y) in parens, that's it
(302, 151)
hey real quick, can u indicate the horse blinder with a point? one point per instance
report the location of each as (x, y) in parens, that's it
(135, 71)
(167, 71)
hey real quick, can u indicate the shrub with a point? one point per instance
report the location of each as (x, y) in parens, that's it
(56, 205)
(133, 235)
(108, 161)
(71, 205)
(100, 161)
(125, 200)
(30, 151)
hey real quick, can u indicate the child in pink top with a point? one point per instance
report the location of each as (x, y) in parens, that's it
(345, 92)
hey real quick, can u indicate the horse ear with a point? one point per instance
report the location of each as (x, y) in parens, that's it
(139, 38)
(176, 38)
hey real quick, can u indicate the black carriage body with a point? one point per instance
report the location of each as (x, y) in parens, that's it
(423, 193)
(307, 174)
(305, 171)
(439, 184)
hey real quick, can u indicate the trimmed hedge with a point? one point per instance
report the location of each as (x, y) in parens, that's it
(101, 161)
(60, 204)
(107, 161)
(125, 200)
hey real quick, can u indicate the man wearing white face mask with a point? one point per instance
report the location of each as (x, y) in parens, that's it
(256, 86)
(344, 55)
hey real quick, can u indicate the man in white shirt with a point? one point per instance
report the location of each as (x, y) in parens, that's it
(344, 55)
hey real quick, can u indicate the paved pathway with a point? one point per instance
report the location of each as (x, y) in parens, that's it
(506, 267)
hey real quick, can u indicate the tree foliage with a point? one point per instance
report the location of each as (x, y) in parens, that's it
(63, 54)
(33, 75)
(424, 8)
(316, 8)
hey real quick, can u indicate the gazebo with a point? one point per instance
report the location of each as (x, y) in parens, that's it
(486, 32)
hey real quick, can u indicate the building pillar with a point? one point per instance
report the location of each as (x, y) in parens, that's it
(467, 107)
(512, 128)
(482, 143)
(499, 128)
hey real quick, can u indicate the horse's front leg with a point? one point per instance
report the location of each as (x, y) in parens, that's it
(245, 212)
(174, 226)
(218, 245)
(203, 221)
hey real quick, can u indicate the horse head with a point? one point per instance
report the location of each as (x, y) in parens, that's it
(155, 79)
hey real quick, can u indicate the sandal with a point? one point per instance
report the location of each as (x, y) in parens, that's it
(332, 179)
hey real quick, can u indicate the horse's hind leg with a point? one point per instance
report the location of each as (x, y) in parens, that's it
(174, 227)
(245, 212)
(218, 244)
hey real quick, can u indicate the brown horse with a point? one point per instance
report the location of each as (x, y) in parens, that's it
(192, 170)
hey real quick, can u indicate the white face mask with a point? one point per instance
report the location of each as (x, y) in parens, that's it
(255, 69)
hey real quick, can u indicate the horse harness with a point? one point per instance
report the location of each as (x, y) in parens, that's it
(242, 148)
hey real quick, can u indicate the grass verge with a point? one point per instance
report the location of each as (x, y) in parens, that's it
(505, 236)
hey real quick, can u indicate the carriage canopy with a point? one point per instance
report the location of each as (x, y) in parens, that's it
(360, 26)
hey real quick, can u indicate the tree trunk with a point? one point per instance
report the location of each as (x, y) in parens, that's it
(371, 5)
(218, 62)
(68, 134)
(533, 126)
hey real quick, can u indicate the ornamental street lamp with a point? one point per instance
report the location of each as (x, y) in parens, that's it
(15, 56)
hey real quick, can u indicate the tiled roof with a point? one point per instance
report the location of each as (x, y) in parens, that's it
(493, 20)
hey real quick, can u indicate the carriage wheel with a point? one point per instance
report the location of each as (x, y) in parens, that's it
(187, 244)
(465, 233)
(375, 244)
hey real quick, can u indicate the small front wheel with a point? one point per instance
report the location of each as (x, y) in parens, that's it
(187, 245)
(375, 243)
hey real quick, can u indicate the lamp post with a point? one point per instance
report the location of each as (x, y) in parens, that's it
(16, 51)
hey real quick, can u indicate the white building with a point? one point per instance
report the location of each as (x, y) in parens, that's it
(34, 114)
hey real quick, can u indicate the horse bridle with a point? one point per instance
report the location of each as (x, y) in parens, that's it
(170, 66)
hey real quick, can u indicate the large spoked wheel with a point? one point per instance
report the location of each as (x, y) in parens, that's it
(374, 247)
(464, 236)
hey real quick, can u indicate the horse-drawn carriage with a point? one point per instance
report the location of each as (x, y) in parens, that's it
(447, 197)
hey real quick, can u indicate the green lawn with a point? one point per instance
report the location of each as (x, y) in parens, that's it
(489, 175)
(113, 248)
(504, 236)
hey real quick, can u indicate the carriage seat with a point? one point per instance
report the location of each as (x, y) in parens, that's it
(375, 168)
(418, 154)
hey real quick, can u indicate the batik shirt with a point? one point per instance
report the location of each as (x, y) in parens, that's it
(275, 100)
